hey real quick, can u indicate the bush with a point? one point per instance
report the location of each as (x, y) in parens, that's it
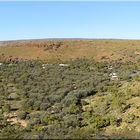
(22, 115)
(72, 109)
(100, 122)
(71, 121)
(47, 120)
(44, 106)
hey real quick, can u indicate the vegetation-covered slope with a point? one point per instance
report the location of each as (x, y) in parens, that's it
(79, 99)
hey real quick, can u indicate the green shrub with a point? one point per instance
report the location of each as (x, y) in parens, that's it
(22, 115)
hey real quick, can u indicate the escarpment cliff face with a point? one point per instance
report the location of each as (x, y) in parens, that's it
(100, 50)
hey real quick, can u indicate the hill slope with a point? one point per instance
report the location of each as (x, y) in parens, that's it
(91, 97)
(128, 50)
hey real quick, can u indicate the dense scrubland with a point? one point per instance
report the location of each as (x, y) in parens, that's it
(84, 89)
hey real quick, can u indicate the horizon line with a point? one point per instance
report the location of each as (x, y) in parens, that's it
(33, 39)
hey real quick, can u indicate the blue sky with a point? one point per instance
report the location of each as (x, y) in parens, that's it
(27, 20)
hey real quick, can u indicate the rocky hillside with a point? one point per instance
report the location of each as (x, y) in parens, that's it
(52, 50)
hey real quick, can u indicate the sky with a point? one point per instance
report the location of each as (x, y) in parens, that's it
(36, 20)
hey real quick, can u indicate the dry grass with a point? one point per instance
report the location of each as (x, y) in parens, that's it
(72, 49)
